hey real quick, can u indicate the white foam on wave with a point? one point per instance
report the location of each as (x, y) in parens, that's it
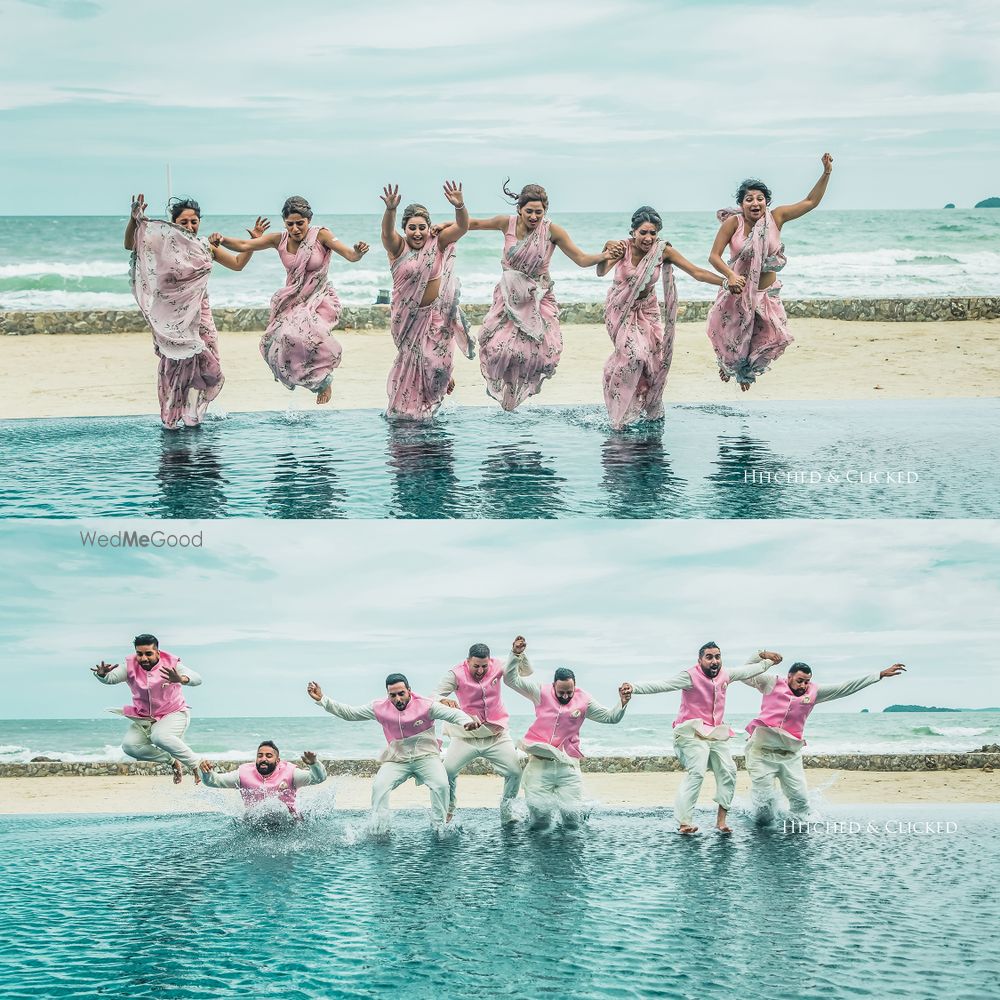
(957, 731)
(38, 300)
(66, 269)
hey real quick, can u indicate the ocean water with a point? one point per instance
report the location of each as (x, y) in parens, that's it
(184, 907)
(77, 262)
(641, 733)
(775, 460)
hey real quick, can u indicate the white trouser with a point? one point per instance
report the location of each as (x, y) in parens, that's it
(427, 770)
(498, 750)
(160, 741)
(763, 766)
(552, 786)
(697, 756)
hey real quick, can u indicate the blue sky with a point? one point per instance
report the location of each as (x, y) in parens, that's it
(264, 608)
(607, 103)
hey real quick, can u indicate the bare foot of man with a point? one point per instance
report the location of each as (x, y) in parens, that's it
(178, 771)
(324, 395)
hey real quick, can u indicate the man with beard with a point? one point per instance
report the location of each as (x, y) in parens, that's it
(774, 749)
(159, 713)
(412, 749)
(552, 782)
(701, 734)
(476, 684)
(269, 777)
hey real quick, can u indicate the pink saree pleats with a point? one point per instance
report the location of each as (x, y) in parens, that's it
(425, 336)
(635, 375)
(520, 342)
(298, 344)
(749, 331)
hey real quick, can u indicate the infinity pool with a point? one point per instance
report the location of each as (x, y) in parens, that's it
(178, 907)
(770, 460)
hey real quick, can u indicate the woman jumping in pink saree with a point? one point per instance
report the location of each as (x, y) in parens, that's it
(426, 320)
(636, 373)
(298, 345)
(520, 342)
(169, 277)
(748, 328)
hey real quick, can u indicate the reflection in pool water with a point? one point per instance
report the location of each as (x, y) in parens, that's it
(768, 460)
(198, 906)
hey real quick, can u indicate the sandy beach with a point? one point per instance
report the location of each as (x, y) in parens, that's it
(65, 375)
(143, 794)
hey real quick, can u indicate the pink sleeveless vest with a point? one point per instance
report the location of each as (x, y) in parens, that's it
(557, 724)
(414, 720)
(705, 699)
(152, 696)
(254, 787)
(780, 709)
(481, 699)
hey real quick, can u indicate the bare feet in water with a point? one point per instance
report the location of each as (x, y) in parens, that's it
(324, 395)
(687, 828)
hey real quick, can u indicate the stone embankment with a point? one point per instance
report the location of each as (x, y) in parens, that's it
(595, 765)
(377, 317)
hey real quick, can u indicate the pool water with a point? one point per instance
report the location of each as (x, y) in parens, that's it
(200, 906)
(889, 459)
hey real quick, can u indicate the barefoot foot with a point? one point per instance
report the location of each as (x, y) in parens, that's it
(324, 395)
(745, 386)
(451, 387)
(723, 829)
(687, 828)
(723, 375)
(178, 771)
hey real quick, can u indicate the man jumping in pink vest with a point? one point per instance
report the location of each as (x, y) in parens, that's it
(269, 778)
(159, 713)
(774, 749)
(412, 749)
(476, 683)
(701, 734)
(552, 781)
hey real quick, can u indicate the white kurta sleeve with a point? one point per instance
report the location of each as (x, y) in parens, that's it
(194, 679)
(522, 684)
(115, 676)
(754, 667)
(596, 712)
(679, 682)
(313, 776)
(447, 686)
(764, 683)
(215, 779)
(442, 713)
(349, 713)
(830, 692)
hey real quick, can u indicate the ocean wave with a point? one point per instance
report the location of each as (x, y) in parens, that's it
(960, 731)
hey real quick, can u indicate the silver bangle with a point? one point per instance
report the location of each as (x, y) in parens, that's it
(725, 284)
